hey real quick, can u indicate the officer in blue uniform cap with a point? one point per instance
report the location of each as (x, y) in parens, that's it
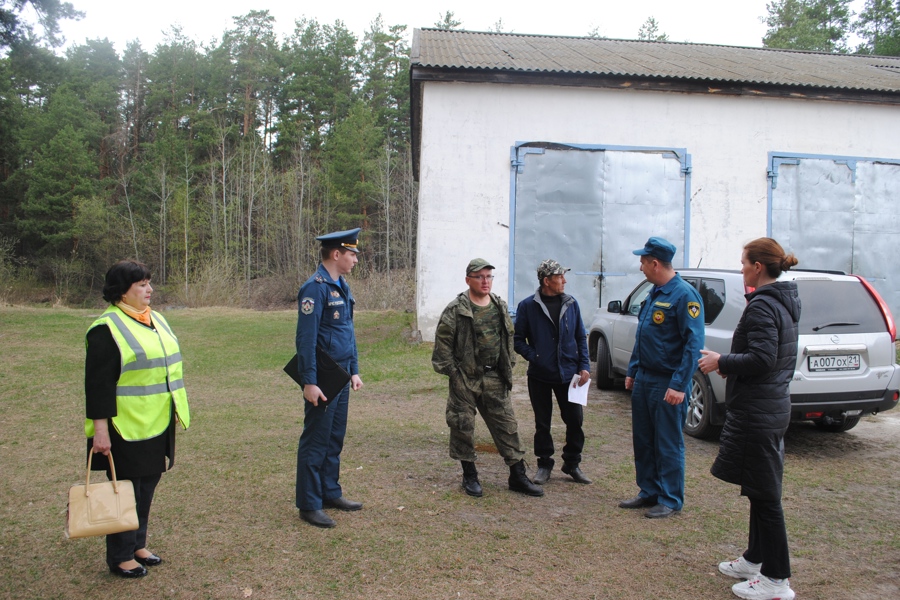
(325, 318)
(667, 346)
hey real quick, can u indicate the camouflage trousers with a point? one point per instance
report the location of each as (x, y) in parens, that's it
(496, 409)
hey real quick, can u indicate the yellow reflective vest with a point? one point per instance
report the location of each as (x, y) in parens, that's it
(150, 377)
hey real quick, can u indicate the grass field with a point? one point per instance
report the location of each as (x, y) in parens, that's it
(225, 523)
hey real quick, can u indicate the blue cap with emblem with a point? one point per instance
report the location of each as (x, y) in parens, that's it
(341, 239)
(657, 247)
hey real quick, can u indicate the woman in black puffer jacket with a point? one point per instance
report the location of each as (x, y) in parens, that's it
(758, 373)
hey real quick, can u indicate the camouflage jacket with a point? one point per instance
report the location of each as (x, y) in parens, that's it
(454, 343)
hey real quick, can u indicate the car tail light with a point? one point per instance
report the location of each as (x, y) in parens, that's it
(814, 415)
(885, 311)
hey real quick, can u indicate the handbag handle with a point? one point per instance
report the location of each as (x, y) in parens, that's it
(112, 468)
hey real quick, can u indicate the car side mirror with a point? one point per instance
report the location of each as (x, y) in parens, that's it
(614, 307)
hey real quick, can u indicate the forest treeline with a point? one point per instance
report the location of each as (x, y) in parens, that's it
(222, 161)
(227, 158)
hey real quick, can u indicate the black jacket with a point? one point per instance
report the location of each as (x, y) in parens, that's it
(758, 399)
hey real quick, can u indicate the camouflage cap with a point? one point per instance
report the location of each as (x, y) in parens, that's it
(549, 268)
(477, 264)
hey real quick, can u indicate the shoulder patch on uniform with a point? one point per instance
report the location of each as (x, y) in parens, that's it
(658, 317)
(319, 279)
(693, 309)
(307, 305)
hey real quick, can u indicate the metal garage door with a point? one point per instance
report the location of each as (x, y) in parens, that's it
(839, 213)
(588, 207)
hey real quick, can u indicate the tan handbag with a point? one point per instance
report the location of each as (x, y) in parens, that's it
(101, 508)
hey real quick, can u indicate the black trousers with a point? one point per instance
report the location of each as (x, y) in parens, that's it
(768, 542)
(541, 394)
(120, 547)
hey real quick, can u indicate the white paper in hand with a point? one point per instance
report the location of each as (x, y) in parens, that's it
(578, 393)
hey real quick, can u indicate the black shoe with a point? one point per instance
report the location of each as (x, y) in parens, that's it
(660, 511)
(317, 518)
(637, 502)
(470, 479)
(519, 482)
(575, 473)
(543, 475)
(149, 561)
(134, 573)
(342, 504)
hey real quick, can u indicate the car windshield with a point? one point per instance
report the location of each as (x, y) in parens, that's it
(837, 307)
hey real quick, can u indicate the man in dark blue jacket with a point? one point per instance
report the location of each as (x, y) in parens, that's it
(667, 345)
(325, 319)
(549, 334)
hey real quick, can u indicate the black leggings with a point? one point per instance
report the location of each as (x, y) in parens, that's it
(120, 547)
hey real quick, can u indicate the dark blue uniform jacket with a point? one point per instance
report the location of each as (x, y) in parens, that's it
(325, 318)
(670, 333)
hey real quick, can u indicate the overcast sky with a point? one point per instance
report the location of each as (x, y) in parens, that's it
(729, 22)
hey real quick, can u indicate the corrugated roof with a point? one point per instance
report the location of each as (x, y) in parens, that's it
(468, 50)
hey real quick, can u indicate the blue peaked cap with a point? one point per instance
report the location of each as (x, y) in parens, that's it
(657, 247)
(341, 239)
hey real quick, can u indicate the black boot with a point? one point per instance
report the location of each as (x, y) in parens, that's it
(575, 473)
(519, 482)
(470, 479)
(545, 466)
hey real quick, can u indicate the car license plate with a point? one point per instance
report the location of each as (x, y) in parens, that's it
(834, 362)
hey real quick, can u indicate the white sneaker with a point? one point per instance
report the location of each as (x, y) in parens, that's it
(763, 588)
(740, 568)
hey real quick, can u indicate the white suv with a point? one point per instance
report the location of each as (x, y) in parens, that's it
(846, 360)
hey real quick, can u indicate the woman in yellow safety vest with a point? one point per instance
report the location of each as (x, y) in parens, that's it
(134, 394)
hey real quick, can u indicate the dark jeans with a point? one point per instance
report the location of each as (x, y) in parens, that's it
(572, 414)
(120, 547)
(768, 542)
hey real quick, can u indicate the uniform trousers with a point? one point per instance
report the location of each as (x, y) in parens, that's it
(120, 547)
(319, 451)
(768, 542)
(541, 394)
(496, 409)
(658, 440)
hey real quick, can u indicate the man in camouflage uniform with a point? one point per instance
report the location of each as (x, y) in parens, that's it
(474, 346)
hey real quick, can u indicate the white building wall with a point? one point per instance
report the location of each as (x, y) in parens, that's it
(468, 129)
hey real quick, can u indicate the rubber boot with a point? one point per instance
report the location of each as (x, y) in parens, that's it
(470, 479)
(519, 482)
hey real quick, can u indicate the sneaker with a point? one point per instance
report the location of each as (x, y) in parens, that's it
(763, 588)
(740, 568)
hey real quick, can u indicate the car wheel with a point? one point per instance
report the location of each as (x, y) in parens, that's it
(700, 409)
(603, 371)
(832, 425)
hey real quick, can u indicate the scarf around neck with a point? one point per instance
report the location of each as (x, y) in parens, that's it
(142, 316)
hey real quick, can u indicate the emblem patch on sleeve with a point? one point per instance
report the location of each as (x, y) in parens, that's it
(307, 305)
(658, 317)
(693, 309)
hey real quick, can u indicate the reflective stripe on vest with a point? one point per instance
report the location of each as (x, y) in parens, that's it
(150, 377)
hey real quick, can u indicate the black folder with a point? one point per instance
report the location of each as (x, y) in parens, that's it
(331, 377)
